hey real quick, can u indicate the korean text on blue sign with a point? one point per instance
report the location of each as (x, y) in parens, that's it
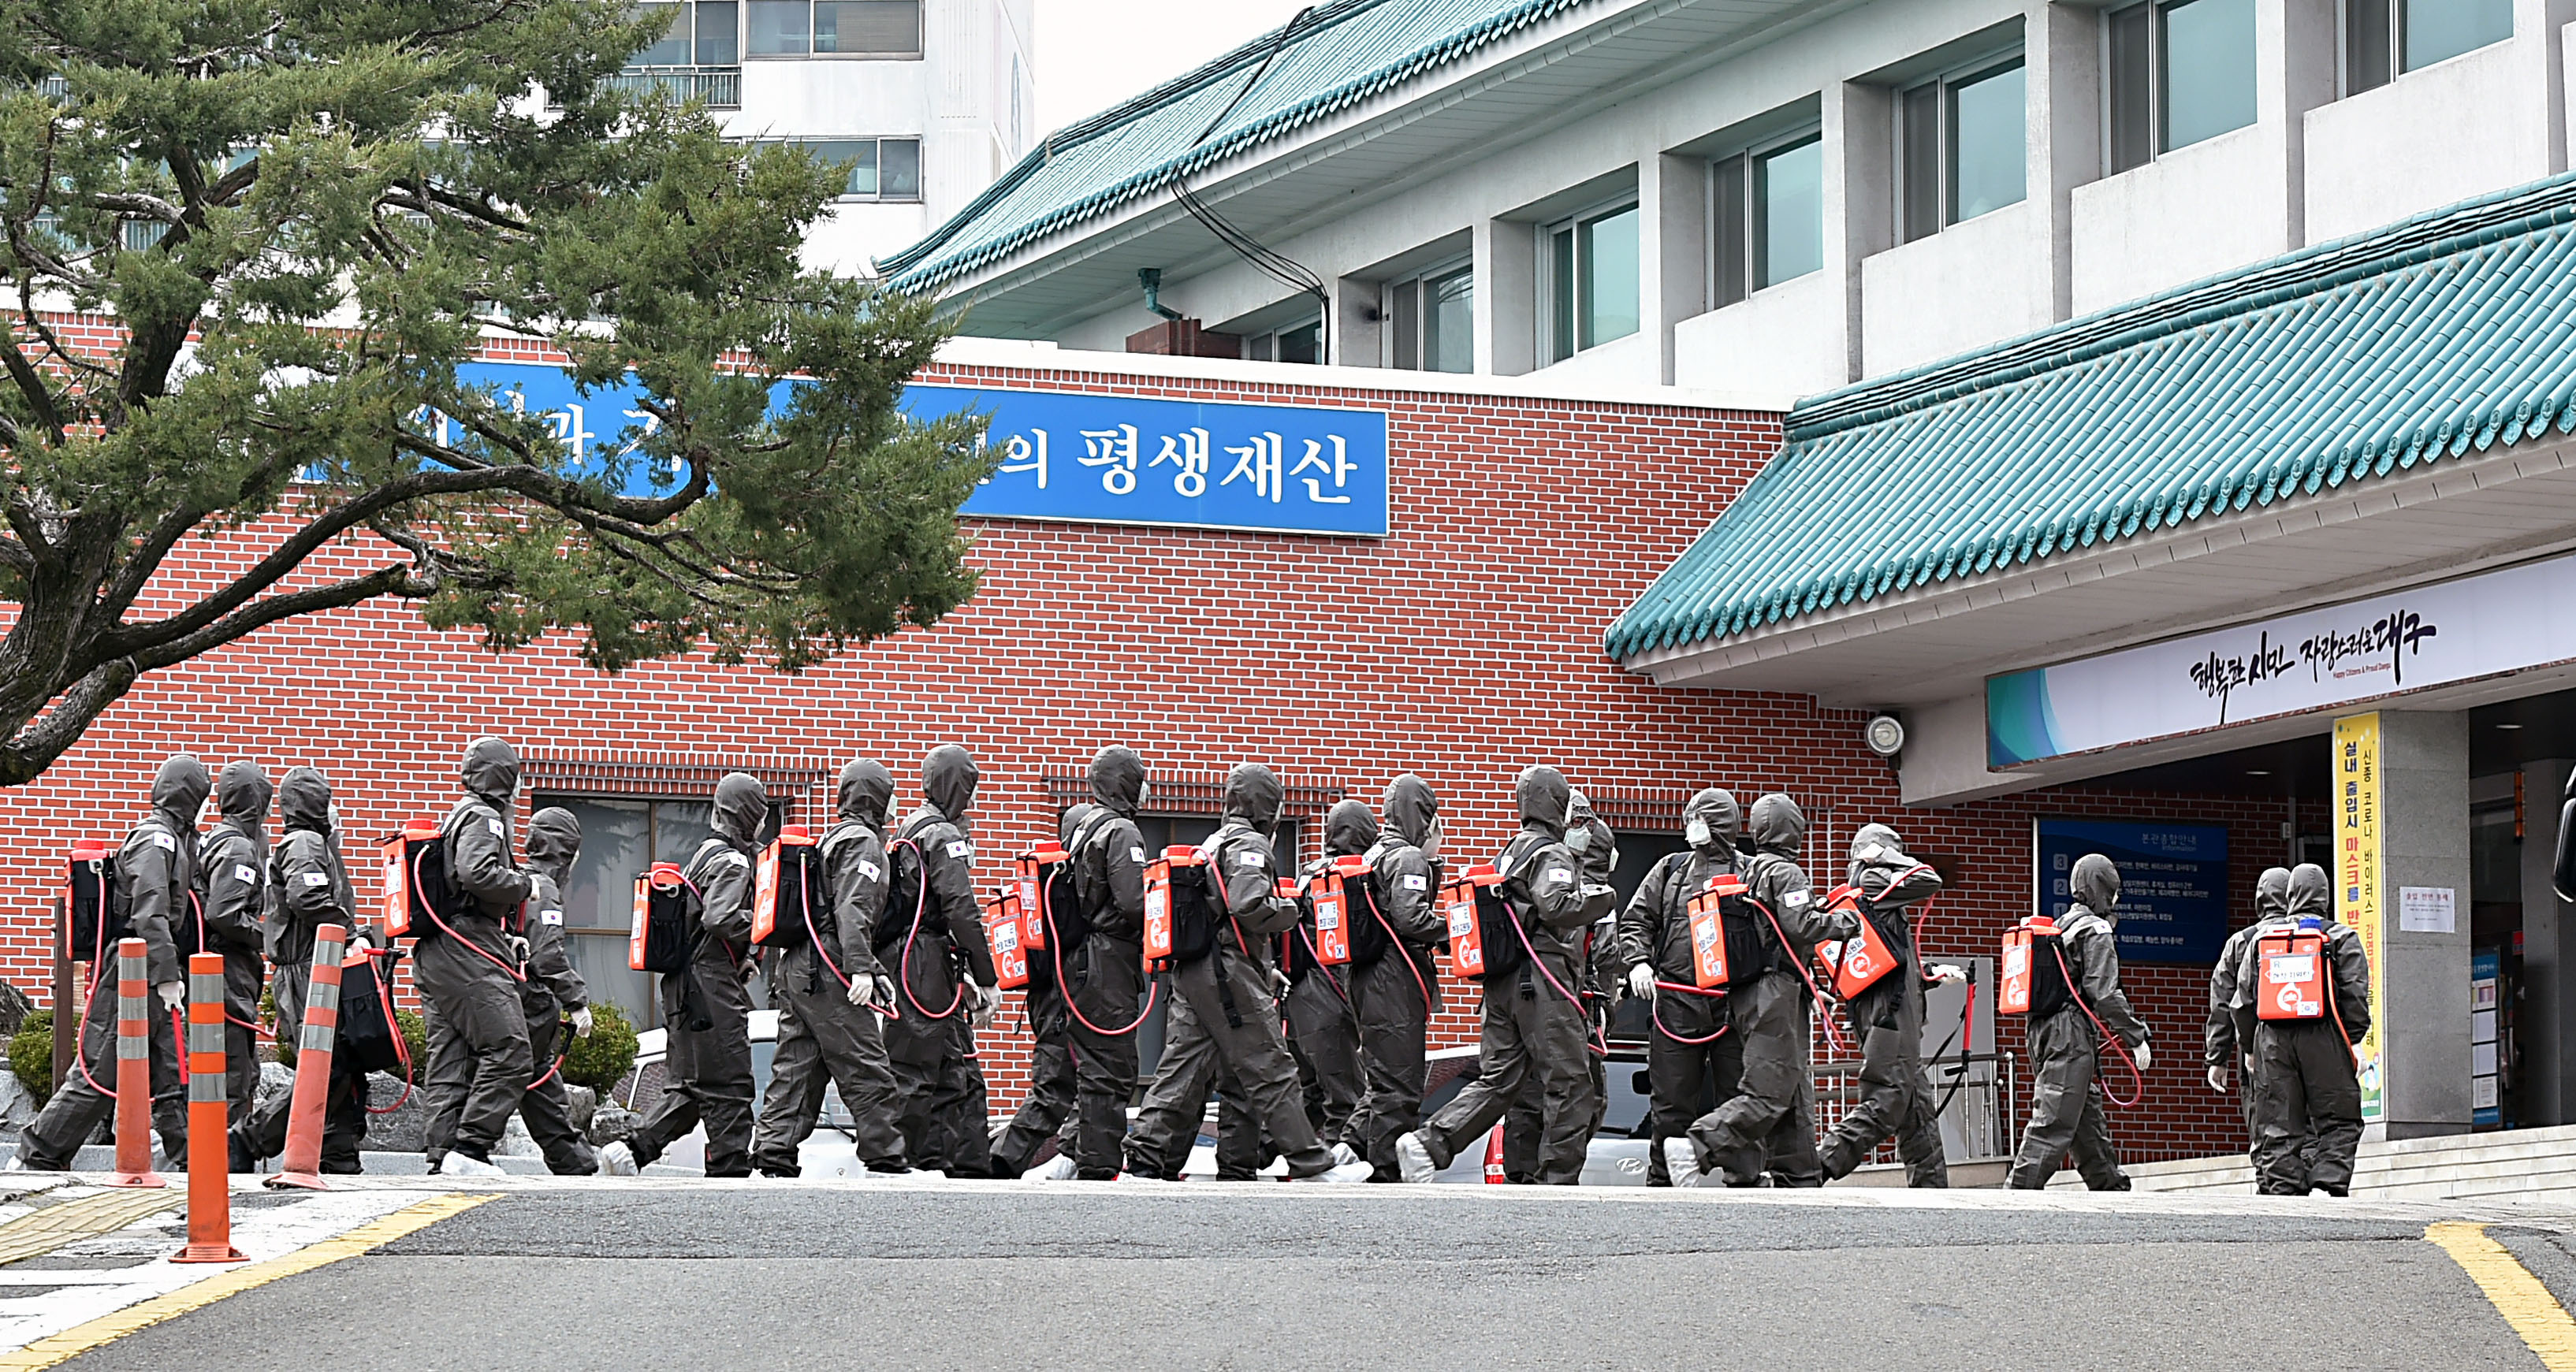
(1200, 464)
(2173, 883)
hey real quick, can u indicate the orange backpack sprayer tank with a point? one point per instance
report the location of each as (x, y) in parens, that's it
(404, 857)
(1708, 929)
(1002, 932)
(1332, 898)
(1471, 902)
(1033, 875)
(784, 889)
(1162, 943)
(1861, 961)
(658, 938)
(2293, 972)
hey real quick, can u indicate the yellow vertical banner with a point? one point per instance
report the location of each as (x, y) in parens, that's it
(2358, 903)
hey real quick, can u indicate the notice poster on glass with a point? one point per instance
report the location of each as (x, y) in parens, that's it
(2173, 882)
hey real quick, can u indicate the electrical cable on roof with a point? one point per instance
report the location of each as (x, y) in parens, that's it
(1276, 265)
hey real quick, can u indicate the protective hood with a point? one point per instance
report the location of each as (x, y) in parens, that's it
(1075, 817)
(491, 770)
(2310, 894)
(243, 793)
(1253, 794)
(2272, 893)
(1350, 828)
(742, 806)
(1777, 826)
(1545, 800)
(1410, 807)
(1874, 843)
(1118, 779)
(948, 778)
(1716, 810)
(304, 801)
(2095, 884)
(179, 789)
(554, 840)
(867, 788)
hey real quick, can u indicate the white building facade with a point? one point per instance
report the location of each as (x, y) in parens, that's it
(927, 100)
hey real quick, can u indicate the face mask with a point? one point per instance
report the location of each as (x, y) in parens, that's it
(1696, 833)
(1431, 839)
(1580, 840)
(1144, 792)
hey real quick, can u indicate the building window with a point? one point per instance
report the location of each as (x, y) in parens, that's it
(835, 28)
(1591, 268)
(2377, 34)
(2179, 74)
(1432, 320)
(621, 839)
(1768, 209)
(1965, 147)
(699, 58)
(880, 168)
(1295, 343)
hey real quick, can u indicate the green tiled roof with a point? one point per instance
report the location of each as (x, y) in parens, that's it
(1344, 52)
(2332, 366)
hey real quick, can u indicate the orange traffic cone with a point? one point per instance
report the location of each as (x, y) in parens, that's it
(134, 1067)
(210, 1199)
(1494, 1158)
(302, 1164)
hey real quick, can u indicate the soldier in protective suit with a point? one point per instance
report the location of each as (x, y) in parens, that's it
(2065, 1102)
(1691, 1059)
(158, 876)
(1395, 988)
(1533, 1019)
(471, 967)
(829, 993)
(1323, 1031)
(1223, 1014)
(1103, 972)
(1049, 1102)
(236, 861)
(1895, 1096)
(553, 993)
(932, 935)
(706, 1010)
(1588, 837)
(312, 889)
(2221, 1049)
(1772, 1116)
(2307, 1096)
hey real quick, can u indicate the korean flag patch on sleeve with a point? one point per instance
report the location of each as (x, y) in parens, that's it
(554, 917)
(1415, 881)
(869, 870)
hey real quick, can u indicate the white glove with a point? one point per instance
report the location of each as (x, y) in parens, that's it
(1278, 984)
(518, 950)
(862, 991)
(1947, 972)
(2218, 1080)
(1641, 981)
(884, 999)
(2143, 1056)
(2360, 1055)
(988, 1001)
(361, 940)
(174, 994)
(581, 1023)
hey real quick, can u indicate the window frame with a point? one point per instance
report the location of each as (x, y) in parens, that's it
(1568, 319)
(1735, 242)
(1940, 109)
(920, 39)
(1406, 334)
(1264, 346)
(879, 196)
(2359, 72)
(2157, 115)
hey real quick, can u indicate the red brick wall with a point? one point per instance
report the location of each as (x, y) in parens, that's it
(1464, 646)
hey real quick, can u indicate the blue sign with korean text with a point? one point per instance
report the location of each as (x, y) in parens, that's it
(1067, 455)
(1199, 463)
(2173, 883)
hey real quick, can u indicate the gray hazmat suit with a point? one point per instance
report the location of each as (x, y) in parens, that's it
(2221, 1050)
(1395, 991)
(1770, 1122)
(1222, 1016)
(1323, 1031)
(933, 935)
(157, 873)
(826, 989)
(1103, 974)
(706, 1009)
(2307, 1097)
(1533, 1020)
(1692, 1061)
(480, 1062)
(1896, 1097)
(1049, 1102)
(310, 888)
(1589, 838)
(236, 865)
(553, 991)
(2066, 1100)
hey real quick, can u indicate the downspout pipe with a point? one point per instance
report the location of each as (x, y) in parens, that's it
(1151, 278)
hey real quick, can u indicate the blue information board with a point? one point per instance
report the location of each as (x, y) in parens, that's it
(1070, 455)
(2173, 882)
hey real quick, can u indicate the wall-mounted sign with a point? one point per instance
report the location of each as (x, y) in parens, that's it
(2501, 621)
(1071, 455)
(2173, 882)
(2357, 869)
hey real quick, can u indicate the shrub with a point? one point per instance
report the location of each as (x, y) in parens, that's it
(601, 1060)
(31, 1054)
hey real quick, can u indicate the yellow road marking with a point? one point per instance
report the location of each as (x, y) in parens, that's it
(50, 1227)
(2516, 1294)
(79, 1339)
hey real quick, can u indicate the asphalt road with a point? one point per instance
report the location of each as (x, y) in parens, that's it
(1266, 1276)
